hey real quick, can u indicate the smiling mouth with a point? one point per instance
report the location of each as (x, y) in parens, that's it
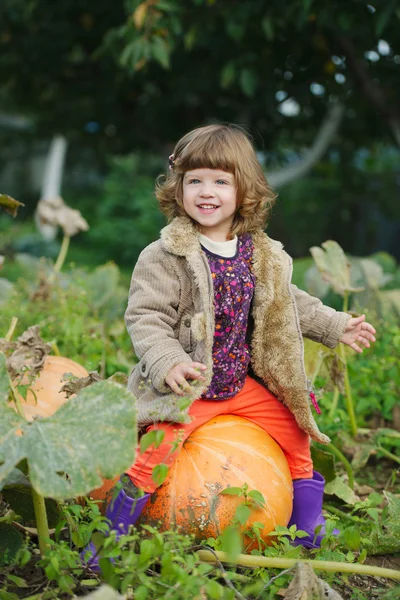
(207, 207)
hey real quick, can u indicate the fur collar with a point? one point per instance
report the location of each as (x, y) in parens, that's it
(180, 238)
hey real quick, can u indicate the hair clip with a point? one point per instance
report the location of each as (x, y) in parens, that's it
(171, 160)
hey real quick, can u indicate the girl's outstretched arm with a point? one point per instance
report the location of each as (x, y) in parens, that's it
(318, 322)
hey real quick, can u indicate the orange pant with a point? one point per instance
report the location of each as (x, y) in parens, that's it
(254, 403)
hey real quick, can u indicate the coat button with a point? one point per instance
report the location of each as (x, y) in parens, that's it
(187, 322)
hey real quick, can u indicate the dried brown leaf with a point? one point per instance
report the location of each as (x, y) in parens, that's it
(75, 385)
(29, 353)
(10, 205)
(54, 211)
(305, 585)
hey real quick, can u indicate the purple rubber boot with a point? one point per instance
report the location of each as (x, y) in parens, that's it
(123, 511)
(307, 510)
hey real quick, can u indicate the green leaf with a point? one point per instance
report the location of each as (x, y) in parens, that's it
(267, 25)
(334, 266)
(339, 488)
(352, 538)
(10, 205)
(248, 82)
(18, 581)
(91, 437)
(161, 51)
(242, 513)
(315, 285)
(228, 75)
(159, 474)
(214, 590)
(155, 437)
(10, 542)
(190, 38)
(257, 497)
(232, 491)
(387, 539)
(19, 497)
(102, 284)
(231, 542)
(323, 462)
(235, 30)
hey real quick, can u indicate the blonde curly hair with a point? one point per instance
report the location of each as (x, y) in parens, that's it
(225, 147)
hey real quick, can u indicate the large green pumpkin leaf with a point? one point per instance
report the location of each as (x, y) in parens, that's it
(11, 447)
(4, 380)
(91, 437)
(334, 266)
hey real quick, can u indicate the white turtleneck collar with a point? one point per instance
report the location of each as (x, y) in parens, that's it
(224, 249)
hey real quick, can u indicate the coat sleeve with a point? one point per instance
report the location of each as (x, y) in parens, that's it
(318, 322)
(151, 316)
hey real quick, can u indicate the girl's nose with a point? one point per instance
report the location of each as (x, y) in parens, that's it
(206, 191)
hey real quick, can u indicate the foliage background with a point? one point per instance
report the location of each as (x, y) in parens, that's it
(122, 82)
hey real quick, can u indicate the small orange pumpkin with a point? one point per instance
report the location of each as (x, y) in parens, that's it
(227, 451)
(44, 397)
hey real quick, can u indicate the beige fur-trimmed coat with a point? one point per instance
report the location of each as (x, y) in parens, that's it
(170, 319)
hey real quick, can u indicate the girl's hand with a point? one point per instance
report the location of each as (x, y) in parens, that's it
(177, 377)
(358, 331)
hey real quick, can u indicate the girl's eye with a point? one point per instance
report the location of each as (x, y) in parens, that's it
(221, 181)
(194, 180)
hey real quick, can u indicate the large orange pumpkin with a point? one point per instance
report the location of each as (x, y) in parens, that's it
(44, 397)
(227, 451)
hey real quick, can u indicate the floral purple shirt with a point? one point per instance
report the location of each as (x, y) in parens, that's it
(233, 292)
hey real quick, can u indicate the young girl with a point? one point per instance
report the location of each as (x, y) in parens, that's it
(214, 319)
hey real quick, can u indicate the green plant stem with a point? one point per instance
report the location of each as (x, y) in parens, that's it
(345, 307)
(388, 454)
(14, 392)
(348, 395)
(336, 452)
(11, 330)
(317, 368)
(335, 401)
(41, 520)
(246, 560)
(17, 401)
(340, 513)
(347, 387)
(55, 348)
(62, 254)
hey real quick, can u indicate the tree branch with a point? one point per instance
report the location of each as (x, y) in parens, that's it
(370, 87)
(52, 179)
(322, 140)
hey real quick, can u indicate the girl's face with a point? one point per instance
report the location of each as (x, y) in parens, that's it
(209, 197)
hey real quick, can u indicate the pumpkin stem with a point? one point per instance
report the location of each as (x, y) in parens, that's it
(41, 521)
